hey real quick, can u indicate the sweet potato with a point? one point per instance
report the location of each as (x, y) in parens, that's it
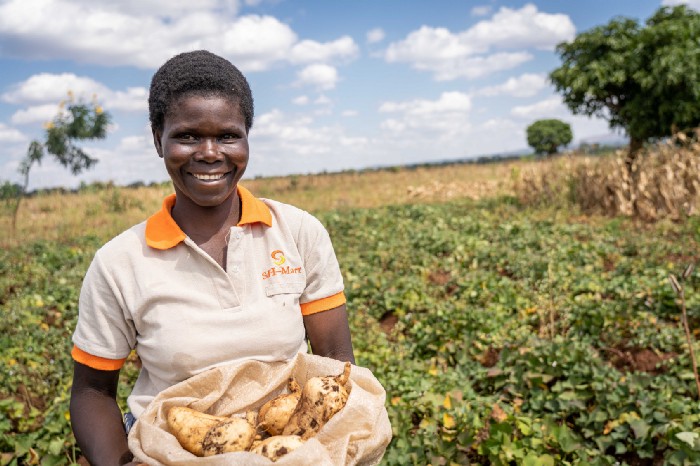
(275, 414)
(277, 446)
(233, 434)
(190, 427)
(321, 398)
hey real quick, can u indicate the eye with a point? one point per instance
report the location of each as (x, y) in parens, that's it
(185, 137)
(228, 137)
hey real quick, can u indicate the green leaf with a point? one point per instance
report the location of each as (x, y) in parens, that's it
(688, 437)
(543, 460)
(55, 446)
(640, 428)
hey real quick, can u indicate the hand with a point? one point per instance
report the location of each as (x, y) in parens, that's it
(134, 463)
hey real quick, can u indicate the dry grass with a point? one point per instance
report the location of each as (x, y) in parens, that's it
(384, 187)
(663, 182)
(107, 212)
(57, 216)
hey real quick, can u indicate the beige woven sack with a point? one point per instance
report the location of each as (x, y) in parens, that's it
(357, 435)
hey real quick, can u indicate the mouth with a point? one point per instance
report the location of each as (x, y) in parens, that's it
(209, 177)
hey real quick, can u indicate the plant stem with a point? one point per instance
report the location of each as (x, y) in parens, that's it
(689, 339)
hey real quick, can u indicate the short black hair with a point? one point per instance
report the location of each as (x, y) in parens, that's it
(198, 72)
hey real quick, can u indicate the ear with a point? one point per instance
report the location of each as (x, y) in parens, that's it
(157, 141)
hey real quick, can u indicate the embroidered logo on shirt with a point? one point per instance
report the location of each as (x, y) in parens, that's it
(278, 259)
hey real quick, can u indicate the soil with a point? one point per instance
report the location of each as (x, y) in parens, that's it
(388, 322)
(639, 359)
(443, 278)
(489, 358)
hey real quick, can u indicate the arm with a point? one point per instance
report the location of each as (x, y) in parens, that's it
(329, 334)
(96, 418)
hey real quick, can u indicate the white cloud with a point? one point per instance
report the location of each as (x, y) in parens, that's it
(47, 90)
(46, 87)
(253, 43)
(349, 113)
(481, 10)
(551, 107)
(35, 114)
(135, 143)
(320, 75)
(285, 143)
(477, 67)
(694, 4)
(163, 8)
(442, 118)
(126, 33)
(11, 135)
(525, 85)
(308, 51)
(525, 27)
(472, 53)
(323, 100)
(375, 35)
(301, 100)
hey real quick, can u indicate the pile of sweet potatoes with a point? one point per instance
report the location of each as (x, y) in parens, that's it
(280, 426)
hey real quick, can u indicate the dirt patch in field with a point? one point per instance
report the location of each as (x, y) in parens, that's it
(490, 357)
(639, 359)
(388, 321)
(443, 278)
(633, 459)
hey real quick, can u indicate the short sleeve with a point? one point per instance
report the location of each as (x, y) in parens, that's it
(324, 281)
(104, 327)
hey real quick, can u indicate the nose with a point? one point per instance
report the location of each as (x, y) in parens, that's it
(208, 150)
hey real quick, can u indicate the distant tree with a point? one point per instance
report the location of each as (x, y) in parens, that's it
(547, 136)
(75, 121)
(644, 80)
(9, 190)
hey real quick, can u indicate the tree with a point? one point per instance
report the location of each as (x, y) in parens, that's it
(77, 121)
(547, 136)
(642, 79)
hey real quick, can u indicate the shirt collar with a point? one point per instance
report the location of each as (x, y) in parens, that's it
(162, 232)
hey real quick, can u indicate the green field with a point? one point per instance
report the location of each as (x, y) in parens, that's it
(503, 334)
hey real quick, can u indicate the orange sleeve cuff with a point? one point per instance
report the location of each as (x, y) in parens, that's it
(323, 304)
(96, 362)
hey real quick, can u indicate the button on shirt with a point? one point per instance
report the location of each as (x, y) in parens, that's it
(154, 290)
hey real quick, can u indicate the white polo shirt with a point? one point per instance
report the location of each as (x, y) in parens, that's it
(154, 290)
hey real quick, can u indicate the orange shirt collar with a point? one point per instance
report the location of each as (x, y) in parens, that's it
(163, 233)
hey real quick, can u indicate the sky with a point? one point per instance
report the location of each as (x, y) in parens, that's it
(342, 84)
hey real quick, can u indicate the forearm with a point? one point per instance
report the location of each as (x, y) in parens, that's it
(341, 352)
(98, 428)
(329, 334)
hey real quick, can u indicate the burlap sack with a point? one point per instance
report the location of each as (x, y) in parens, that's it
(358, 434)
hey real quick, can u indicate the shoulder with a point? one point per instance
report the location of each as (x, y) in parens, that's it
(293, 217)
(127, 243)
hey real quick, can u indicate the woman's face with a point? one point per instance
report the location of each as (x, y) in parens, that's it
(204, 144)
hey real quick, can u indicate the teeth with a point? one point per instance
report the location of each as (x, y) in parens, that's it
(208, 177)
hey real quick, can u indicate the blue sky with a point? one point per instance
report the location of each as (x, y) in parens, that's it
(337, 84)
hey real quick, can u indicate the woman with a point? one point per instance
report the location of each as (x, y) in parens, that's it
(216, 277)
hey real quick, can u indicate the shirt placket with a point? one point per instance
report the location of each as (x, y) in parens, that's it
(223, 284)
(235, 258)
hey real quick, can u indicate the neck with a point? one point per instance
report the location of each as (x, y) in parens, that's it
(201, 223)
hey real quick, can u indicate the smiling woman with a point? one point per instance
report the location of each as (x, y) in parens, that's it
(204, 144)
(200, 284)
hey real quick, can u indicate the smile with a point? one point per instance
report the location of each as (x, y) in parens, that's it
(204, 177)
